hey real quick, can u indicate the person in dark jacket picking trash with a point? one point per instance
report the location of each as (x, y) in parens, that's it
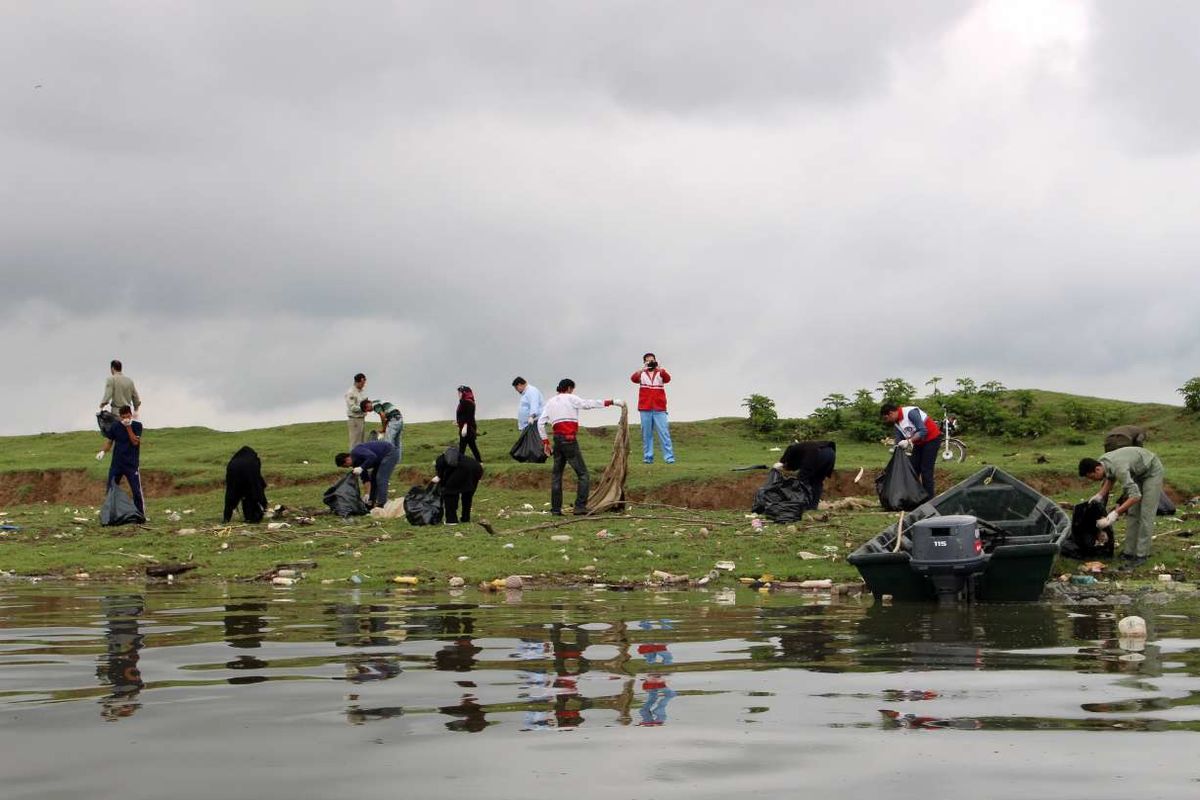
(244, 484)
(1140, 474)
(812, 462)
(374, 461)
(919, 434)
(458, 476)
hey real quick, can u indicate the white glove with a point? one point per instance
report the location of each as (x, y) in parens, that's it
(778, 465)
(100, 456)
(1097, 498)
(357, 470)
(463, 431)
(619, 402)
(1107, 522)
(533, 418)
(905, 444)
(435, 479)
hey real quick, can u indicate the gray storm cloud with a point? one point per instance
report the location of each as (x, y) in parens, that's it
(250, 202)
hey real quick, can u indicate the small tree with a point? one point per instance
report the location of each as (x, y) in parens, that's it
(1024, 399)
(897, 390)
(992, 388)
(932, 384)
(763, 417)
(1191, 395)
(966, 387)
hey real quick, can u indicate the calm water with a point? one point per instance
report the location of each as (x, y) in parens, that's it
(251, 692)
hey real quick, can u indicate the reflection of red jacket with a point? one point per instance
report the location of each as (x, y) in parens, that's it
(652, 396)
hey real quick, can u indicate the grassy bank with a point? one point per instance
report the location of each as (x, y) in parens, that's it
(684, 516)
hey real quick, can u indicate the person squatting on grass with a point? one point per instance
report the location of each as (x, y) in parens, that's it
(125, 442)
(1140, 474)
(813, 462)
(562, 413)
(459, 476)
(464, 415)
(920, 435)
(652, 406)
(355, 416)
(530, 407)
(374, 461)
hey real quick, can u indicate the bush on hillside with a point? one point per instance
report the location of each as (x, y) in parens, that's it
(763, 417)
(1191, 395)
(897, 390)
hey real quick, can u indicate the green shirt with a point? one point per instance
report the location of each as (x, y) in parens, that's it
(386, 409)
(1129, 466)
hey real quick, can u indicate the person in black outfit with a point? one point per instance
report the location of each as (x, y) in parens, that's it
(465, 417)
(458, 475)
(244, 484)
(813, 463)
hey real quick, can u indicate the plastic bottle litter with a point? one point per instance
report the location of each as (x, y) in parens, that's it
(560, 537)
(822, 583)
(279, 581)
(406, 580)
(355, 579)
(509, 545)
(1083, 580)
(728, 566)
(285, 573)
(1165, 577)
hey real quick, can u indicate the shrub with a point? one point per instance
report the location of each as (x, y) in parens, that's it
(1024, 401)
(897, 390)
(763, 417)
(1191, 395)
(1079, 417)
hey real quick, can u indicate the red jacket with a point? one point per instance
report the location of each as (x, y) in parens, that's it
(652, 396)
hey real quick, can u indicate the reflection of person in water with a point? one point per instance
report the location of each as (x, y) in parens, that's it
(371, 668)
(118, 666)
(658, 694)
(472, 718)
(243, 630)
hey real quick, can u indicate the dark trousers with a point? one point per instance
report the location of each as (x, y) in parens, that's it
(924, 458)
(133, 475)
(469, 441)
(450, 501)
(567, 452)
(815, 479)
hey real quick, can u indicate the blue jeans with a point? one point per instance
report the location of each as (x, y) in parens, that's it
(383, 474)
(395, 428)
(656, 421)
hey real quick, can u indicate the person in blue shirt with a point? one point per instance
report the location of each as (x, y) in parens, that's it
(125, 442)
(531, 404)
(374, 461)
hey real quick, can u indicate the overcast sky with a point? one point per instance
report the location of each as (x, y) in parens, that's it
(248, 202)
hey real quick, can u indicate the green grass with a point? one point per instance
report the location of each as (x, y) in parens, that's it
(192, 461)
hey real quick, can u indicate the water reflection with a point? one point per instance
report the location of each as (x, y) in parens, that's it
(117, 667)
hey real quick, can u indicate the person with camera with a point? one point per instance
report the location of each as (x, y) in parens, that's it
(652, 405)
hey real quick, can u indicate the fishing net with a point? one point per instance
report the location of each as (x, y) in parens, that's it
(609, 492)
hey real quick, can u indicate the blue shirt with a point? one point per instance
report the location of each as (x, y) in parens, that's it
(531, 406)
(124, 454)
(368, 454)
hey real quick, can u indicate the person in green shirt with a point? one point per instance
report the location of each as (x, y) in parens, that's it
(1140, 474)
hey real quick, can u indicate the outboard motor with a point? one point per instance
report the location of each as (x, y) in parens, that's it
(948, 551)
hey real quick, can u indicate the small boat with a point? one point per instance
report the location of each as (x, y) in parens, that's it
(990, 538)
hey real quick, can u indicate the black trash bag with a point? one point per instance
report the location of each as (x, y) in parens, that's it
(1081, 544)
(898, 486)
(344, 498)
(118, 509)
(528, 449)
(781, 499)
(105, 420)
(423, 506)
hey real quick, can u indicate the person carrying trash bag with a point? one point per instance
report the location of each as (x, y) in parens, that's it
(919, 435)
(125, 442)
(458, 476)
(528, 448)
(898, 487)
(344, 498)
(244, 484)
(530, 407)
(375, 461)
(1140, 474)
(562, 414)
(812, 462)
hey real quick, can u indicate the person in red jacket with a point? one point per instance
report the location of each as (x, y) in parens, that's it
(652, 405)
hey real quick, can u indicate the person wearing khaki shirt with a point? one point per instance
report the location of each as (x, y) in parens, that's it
(1140, 474)
(119, 390)
(355, 415)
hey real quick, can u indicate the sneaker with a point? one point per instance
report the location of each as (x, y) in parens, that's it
(644, 461)
(1130, 563)
(556, 513)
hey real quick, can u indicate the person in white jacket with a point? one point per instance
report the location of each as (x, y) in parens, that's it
(562, 413)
